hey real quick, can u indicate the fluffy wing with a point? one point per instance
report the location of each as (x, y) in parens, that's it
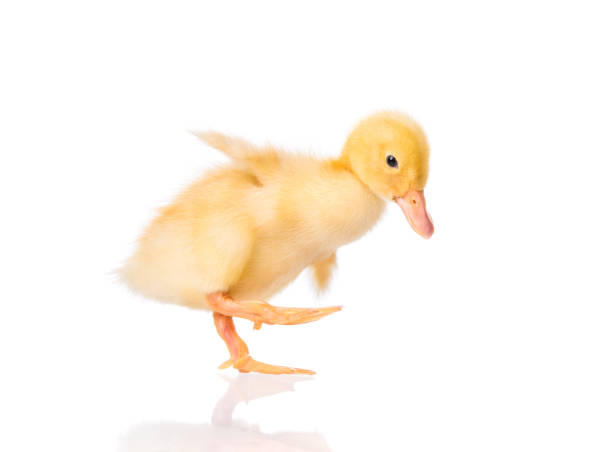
(322, 272)
(260, 161)
(234, 148)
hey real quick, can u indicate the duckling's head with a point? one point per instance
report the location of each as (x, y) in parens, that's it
(389, 153)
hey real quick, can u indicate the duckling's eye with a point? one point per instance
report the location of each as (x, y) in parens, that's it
(391, 161)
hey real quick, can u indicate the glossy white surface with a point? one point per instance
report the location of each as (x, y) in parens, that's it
(492, 336)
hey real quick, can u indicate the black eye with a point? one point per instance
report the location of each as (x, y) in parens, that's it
(391, 161)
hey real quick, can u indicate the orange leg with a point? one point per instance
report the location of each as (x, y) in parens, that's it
(259, 311)
(239, 352)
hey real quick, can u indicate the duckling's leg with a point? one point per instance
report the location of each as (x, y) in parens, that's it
(239, 352)
(260, 312)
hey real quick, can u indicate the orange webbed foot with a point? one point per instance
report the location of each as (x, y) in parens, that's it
(259, 311)
(248, 364)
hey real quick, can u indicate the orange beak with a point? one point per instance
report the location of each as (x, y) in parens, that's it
(413, 206)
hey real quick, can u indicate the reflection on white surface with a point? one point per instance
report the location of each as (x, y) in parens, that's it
(223, 433)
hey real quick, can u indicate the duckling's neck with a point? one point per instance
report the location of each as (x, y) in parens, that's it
(357, 207)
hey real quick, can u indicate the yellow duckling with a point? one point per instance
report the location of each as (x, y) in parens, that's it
(243, 232)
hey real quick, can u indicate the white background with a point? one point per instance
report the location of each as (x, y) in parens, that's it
(495, 335)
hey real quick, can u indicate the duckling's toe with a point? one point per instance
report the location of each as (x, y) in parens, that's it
(309, 315)
(248, 364)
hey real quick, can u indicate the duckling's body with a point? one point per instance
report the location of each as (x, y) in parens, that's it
(244, 231)
(250, 231)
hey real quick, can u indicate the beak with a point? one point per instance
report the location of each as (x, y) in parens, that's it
(413, 206)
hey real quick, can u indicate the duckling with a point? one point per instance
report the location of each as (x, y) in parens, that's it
(244, 231)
